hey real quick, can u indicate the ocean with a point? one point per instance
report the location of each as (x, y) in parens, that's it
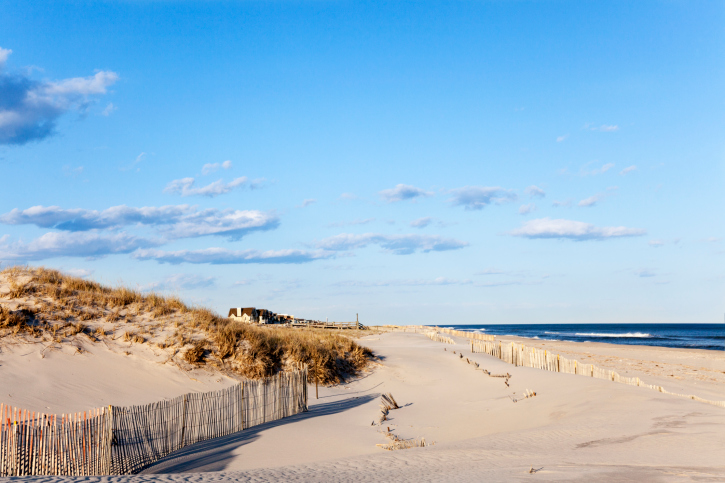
(688, 336)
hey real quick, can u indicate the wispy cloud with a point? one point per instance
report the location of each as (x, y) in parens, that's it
(535, 192)
(421, 222)
(591, 201)
(585, 171)
(559, 204)
(30, 109)
(109, 109)
(561, 139)
(526, 209)
(645, 272)
(74, 172)
(602, 128)
(573, 230)
(185, 187)
(656, 243)
(184, 281)
(403, 282)
(490, 271)
(209, 168)
(176, 221)
(403, 192)
(398, 244)
(70, 244)
(350, 223)
(223, 256)
(307, 203)
(628, 169)
(134, 163)
(478, 197)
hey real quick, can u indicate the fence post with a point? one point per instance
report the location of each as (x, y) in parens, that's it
(241, 407)
(109, 441)
(183, 423)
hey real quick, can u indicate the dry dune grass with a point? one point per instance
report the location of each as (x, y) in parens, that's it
(58, 308)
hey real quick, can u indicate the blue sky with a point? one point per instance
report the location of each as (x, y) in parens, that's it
(413, 162)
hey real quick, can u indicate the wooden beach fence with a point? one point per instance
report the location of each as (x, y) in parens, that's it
(435, 336)
(521, 355)
(124, 440)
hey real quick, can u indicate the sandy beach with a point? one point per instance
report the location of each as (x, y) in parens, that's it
(575, 428)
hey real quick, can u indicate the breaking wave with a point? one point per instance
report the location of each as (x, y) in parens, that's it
(628, 334)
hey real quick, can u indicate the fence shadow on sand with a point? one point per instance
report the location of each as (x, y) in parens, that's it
(215, 454)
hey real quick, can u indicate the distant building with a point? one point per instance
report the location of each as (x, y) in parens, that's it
(251, 315)
(247, 315)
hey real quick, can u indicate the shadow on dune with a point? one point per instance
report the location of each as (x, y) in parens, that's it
(214, 454)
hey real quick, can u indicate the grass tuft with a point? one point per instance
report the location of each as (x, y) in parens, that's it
(67, 303)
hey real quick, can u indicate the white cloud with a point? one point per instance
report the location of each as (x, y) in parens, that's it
(212, 167)
(95, 84)
(562, 138)
(185, 187)
(403, 192)
(628, 169)
(307, 203)
(70, 244)
(223, 256)
(233, 224)
(176, 221)
(565, 204)
(348, 196)
(4, 54)
(573, 230)
(591, 201)
(656, 243)
(604, 168)
(109, 109)
(29, 109)
(398, 244)
(477, 197)
(602, 128)
(421, 222)
(79, 272)
(535, 191)
(526, 209)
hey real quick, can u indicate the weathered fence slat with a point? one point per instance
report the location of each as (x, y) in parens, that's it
(125, 440)
(546, 361)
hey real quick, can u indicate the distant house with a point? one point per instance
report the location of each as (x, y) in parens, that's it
(250, 315)
(267, 317)
(247, 315)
